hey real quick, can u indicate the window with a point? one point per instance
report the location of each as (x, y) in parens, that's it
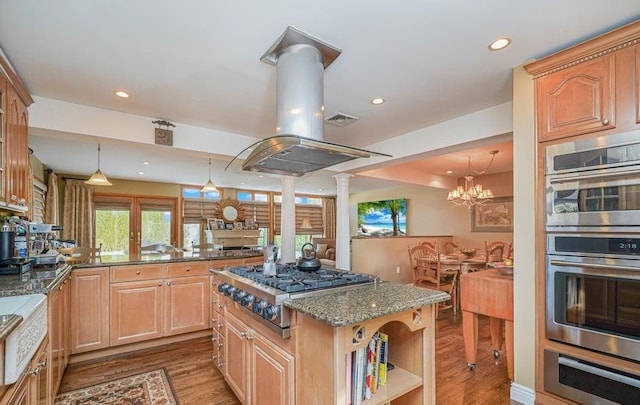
(126, 224)
(197, 207)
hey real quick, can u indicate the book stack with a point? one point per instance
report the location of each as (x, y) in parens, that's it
(367, 369)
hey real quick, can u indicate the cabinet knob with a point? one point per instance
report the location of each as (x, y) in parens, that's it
(168, 282)
(160, 283)
(605, 121)
(213, 339)
(188, 269)
(138, 272)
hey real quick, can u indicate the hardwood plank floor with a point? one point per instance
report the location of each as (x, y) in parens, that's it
(197, 381)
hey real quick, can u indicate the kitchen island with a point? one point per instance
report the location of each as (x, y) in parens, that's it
(310, 365)
(328, 328)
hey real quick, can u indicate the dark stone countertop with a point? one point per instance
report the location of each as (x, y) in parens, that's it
(363, 303)
(41, 282)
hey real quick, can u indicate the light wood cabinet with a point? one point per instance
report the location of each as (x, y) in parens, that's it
(411, 350)
(14, 145)
(136, 311)
(32, 387)
(152, 301)
(217, 324)
(187, 304)
(58, 307)
(588, 88)
(89, 309)
(3, 149)
(577, 100)
(260, 372)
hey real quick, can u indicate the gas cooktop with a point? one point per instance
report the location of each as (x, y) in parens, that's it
(291, 280)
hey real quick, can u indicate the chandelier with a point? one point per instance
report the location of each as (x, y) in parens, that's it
(472, 194)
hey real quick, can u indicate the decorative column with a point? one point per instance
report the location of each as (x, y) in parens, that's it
(343, 239)
(288, 220)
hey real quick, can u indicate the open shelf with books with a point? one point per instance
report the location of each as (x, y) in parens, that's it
(327, 358)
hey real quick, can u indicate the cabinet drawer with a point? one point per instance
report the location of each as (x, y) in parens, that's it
(222, 263)
(187, 269)
(135, 273)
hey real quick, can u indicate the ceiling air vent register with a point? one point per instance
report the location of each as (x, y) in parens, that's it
(341, 119)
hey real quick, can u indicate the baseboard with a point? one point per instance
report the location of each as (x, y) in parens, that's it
(80, 357)
(522, 394)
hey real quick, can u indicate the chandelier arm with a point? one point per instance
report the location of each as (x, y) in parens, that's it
(478, 172)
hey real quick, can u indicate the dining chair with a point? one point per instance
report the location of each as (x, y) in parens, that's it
(450, 247)
(497, 251)
(428, 272)
(429, 244)
(82, 254)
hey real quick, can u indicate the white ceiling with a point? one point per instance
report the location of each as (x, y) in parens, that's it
(197, 63)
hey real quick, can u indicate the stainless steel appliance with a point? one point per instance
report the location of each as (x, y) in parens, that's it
(586, 382)
(263, 296)
(593, 292)
(594, 183)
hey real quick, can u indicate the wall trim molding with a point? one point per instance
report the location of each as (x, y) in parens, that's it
(522, 394)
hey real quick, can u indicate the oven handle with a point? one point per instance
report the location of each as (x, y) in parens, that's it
(594, 265)
(598, 371)
(598, 176)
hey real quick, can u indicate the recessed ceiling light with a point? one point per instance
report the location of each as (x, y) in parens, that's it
(499, 44)
(449, 171)
(146, 163)
(122, 94)
(377, 101)
(140, 173)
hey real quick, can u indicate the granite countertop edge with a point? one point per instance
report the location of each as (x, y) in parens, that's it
(347, 307)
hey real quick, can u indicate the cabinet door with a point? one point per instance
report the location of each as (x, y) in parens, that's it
(272, 374)
(89, 309)
(17, 151)
(577, 100)
(136, 311)
(187, 304)
(236, 356)
(56, 334)
(3, 137)
(637, 76)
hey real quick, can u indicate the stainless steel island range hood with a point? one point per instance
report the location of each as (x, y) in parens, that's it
(298, 146)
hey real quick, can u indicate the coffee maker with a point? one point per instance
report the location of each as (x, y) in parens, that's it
(14, 255)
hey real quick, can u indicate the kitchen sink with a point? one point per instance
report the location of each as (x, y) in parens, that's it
(23, 341)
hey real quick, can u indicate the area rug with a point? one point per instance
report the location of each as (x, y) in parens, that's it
(150, 388)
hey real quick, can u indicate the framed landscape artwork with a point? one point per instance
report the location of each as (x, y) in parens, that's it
(382, 218)
(493, 216)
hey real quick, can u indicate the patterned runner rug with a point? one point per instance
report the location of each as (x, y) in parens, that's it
(150, 388)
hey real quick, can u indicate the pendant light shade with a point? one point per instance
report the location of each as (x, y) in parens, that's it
(209, 186)
(98, 178)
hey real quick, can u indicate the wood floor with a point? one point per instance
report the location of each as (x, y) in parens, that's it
(197, 382)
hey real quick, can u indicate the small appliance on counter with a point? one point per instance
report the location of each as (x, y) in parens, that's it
(270, 256)
(43, 241)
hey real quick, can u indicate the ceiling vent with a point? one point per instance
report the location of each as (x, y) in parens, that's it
(341, 119)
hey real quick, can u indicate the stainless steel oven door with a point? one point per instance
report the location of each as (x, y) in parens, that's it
(588, 383)
(597, 199)
(594, 303)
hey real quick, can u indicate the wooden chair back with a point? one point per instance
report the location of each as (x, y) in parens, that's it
(497, 251)
(429, 272)
(450, 247)
(429, 244)
(82, 254)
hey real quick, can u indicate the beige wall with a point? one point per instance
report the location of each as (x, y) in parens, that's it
(524, 148)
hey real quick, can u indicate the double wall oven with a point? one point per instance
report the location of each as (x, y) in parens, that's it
(592, 291)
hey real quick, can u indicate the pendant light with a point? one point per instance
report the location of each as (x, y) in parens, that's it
(471, 193)
(209, 186)
(98, 178)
